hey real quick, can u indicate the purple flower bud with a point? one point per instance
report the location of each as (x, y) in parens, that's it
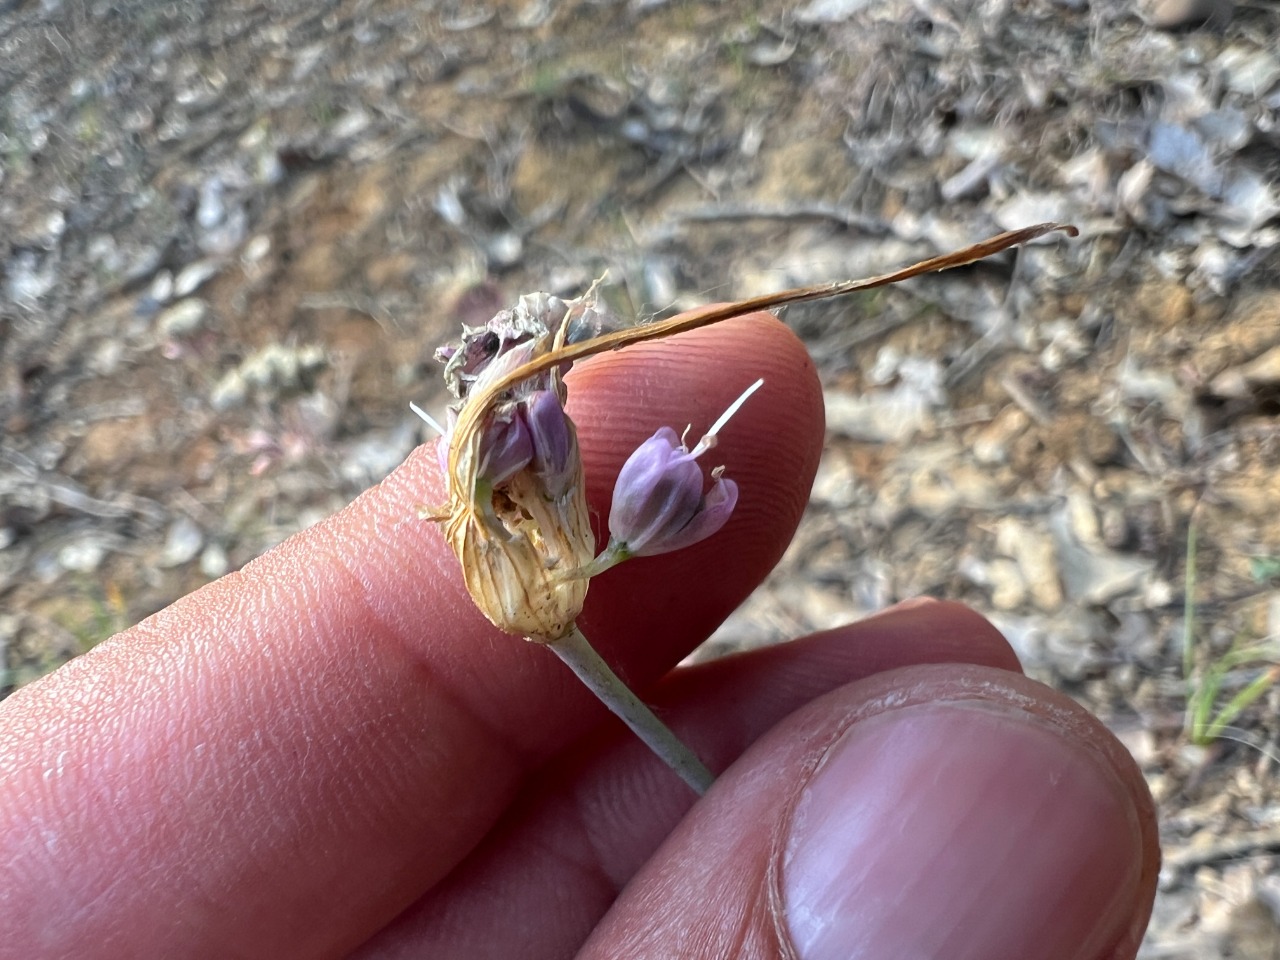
(552, 442)
(505, 447)
(658, 505)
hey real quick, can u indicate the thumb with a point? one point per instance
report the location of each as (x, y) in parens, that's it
(933, 811)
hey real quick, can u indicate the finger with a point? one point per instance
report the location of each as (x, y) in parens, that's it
(933, 811)
(336, 723)
(586, 825)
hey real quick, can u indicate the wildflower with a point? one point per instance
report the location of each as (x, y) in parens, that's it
(507, 447)
(658, 503)
(551, 439)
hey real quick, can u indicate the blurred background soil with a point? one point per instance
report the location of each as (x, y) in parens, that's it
(232, 234)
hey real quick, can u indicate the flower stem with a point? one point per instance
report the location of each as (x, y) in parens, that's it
(582, 659)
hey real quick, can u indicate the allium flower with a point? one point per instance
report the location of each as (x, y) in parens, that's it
(517, 516)
(507, 448)
(532, 431)
(658, 503)
(551, 439)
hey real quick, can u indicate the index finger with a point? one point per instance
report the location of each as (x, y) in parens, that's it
(336, 725)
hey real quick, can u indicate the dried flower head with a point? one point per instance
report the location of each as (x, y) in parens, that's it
(517, 516)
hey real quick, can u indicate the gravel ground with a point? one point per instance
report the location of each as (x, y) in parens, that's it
(231, 236)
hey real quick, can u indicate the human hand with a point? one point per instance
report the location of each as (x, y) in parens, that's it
(331, 753)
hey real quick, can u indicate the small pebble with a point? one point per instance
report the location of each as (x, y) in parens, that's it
(182, 543)
(83, 556)
(182, 318)
(193, 276)
(213, 561)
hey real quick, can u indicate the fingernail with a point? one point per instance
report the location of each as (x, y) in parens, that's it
(960, 830)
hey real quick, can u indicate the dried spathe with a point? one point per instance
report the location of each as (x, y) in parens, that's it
(517, 515)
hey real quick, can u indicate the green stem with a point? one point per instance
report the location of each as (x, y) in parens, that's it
(577, 652)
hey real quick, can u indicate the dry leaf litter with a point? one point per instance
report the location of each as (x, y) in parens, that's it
(234, 233)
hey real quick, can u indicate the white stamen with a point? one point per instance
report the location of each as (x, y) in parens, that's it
(430, 420)
(709, 438)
